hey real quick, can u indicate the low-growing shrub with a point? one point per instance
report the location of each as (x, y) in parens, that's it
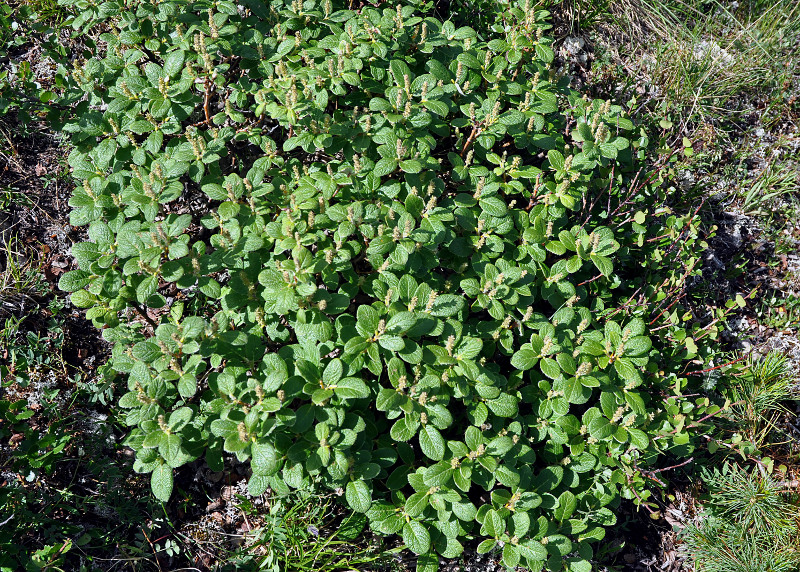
(369, 251)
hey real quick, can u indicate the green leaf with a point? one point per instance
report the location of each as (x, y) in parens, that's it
(511, 555)
(403, 430)
(170, 450)
(593, 347)
(431, 443)
(83, 299)
(173, 63)
(154, 439)
(379, 104)
(146, 288)
(400, 323)
(74, 280)
(447, 305)
(550, 368)
(224, 427)
(566, 506)
(440, 108)
(367, 320)
(257, 485)
(358, 496)
(146, 351)
(639, 439)
(505, 405)
(486, 546)
(575, 391)
(439, 474)
(161, 481)
(603, 264)
(524, 359)
(533, 551)
(264, 459)
(556, 160)
(384, 167)
(465, 511)
(333, 372)
(416, 503)
(428, 562)
(579, 566)
(389, 400)
(637, 346)
(350, 388)
(600, 428)
(627, 371)
(493, 524)
(691, 346)
(179, 418)
(399, 70)
(416, 537)
(411, 166)
(494, 206)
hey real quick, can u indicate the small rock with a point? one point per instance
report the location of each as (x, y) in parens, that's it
(709, 49)
(573, 45)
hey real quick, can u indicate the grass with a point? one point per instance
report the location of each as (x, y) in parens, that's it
(699, 61)
(307, 532)
(773, 183)
(22, 291)
(25, 12)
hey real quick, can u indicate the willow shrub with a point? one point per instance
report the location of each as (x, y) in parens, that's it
(373, 252)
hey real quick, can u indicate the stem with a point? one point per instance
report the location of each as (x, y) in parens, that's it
(475, 132)
(701, 371)
(699, 421)
(686, 462)
(589, 281)
(207, 101)
(144, 315)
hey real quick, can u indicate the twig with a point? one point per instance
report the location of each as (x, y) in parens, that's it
(589, 281)
(641, 500)
(686, 462)
(144, 315)
(702, 371)
(475, 132)
(207, 101)
(153, 548)
(699, 421)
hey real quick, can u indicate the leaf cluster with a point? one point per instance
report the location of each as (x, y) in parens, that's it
(369, 250)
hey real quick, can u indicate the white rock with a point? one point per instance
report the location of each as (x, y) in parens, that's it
(709, 49)
(573, 45)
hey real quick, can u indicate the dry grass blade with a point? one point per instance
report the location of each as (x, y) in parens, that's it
(701, 58)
